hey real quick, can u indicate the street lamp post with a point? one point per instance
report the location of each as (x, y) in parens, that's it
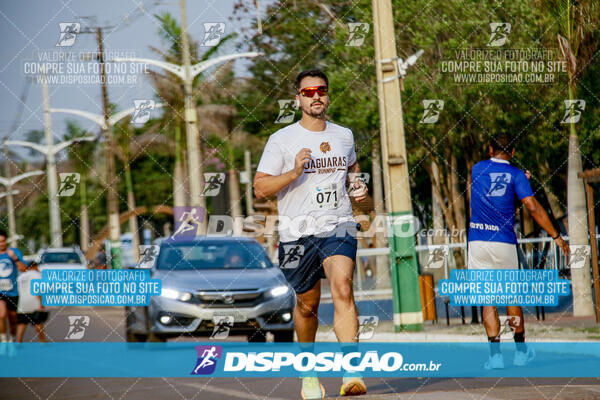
(55, 222)
(187, 74)
(105, 126)
(9, 182)
(50, 150)
(12, 193)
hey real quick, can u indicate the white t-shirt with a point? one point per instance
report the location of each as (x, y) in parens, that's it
(27, 302)
(317, 201)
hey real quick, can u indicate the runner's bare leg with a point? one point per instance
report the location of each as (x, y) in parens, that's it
(339, 270)
(20, 332)
(3, 314)
(306, 319)
(12, 322)
(516, 311)
(491, 321)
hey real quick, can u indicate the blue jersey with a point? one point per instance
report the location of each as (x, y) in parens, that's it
(494, 185)
(8, 273)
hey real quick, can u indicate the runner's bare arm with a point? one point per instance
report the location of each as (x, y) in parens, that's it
(20, 264)
(267, 185)
(541, 217)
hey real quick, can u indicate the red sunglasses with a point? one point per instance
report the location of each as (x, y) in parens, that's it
(310, 91)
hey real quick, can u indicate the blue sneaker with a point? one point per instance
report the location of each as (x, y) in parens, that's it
(494, 362)
(523, 358)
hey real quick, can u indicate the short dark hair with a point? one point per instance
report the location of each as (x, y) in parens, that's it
(311, 72)
(502, 143)
(3, 233)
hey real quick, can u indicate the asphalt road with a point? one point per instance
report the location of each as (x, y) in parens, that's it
(106, 324)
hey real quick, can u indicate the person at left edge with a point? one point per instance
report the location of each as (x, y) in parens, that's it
(11, 262)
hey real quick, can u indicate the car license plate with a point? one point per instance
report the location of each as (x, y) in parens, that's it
(236, 315)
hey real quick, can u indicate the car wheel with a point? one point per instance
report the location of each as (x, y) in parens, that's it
(283, 336)
(257, 336)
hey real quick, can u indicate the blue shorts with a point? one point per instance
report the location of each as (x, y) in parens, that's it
(301, 261)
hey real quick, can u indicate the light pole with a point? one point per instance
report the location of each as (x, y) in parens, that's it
(50, 150)
(9, 182)
(187, 73)
(13, 239)
(14, 192)
(248, 171)
(105, 126)
(404, 272)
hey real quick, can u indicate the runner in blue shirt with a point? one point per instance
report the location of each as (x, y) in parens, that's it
(492, 240)
(11, 261)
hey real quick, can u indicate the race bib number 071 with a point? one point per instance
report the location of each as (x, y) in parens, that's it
(326, 197)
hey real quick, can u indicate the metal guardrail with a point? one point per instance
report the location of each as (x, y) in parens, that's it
(543, 252)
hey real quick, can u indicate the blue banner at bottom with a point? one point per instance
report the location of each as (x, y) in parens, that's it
(235, 359)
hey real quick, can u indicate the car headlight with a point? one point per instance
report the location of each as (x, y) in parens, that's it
(279, 290)
(175, 295)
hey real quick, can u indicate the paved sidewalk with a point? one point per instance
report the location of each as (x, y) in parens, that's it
(562, 328)
(499, 393)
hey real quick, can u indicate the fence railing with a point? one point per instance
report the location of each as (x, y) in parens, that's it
(533, 253)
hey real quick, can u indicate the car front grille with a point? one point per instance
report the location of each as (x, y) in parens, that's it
(228, 298)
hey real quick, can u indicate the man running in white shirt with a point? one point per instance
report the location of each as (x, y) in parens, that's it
(307, 164)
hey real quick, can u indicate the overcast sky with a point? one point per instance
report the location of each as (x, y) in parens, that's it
(29, 28)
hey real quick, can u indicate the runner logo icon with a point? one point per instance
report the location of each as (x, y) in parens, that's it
(68, 33)
(77, 326)
(68, 183)
(358, 33)
(207, 359)
(500, 31)
(223, 323)
(292, 255)
(212, 33)
(287, 111)
(431, 112)
(573, 110)
(498, 183)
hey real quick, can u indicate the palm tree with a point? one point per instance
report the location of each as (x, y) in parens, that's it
(217, 116)
(131, 146)
(170, 90)
(81, 156)
(577, 23)
(123, 133)
(218, 119)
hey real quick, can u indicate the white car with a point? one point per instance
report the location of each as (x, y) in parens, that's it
(61, 258)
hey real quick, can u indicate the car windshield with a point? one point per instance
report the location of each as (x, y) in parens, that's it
(213, 255)
(62, 258)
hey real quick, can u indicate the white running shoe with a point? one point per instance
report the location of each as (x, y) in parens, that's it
(312, 388)
(523, 358)
(494, 362)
